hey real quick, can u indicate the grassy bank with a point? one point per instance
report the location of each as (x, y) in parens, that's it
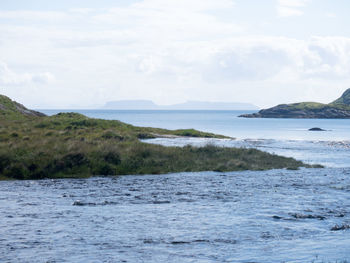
(72, 145)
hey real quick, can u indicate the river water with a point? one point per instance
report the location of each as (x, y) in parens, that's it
(269, 216)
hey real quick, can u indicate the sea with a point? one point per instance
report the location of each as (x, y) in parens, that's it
(250, 216)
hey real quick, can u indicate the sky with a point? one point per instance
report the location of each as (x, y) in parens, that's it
(83, 53)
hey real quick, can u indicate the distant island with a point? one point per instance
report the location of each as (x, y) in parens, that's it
(71, 145)
(189, 105)
(338, 109)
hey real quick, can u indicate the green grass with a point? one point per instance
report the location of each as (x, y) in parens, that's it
(316, 106)
(195, 133)
(344, 99)
(308, 105)
(72, 145)
(342, 103)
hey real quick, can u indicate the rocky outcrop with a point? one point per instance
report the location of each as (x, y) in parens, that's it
(12, 108)
(23, 110)
(339, 109)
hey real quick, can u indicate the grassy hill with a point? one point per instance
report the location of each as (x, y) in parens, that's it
(344, 99)
(13, 110)
(33, 146)
(338, 109)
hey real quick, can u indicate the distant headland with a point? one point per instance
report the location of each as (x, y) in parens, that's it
(189, 105)
(338, 109)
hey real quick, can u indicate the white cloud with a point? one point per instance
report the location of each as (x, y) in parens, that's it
(190, 5)
(10, 78)
(167, 51)
(174, 19)
(43, 78)
(331, 15)
(33, 15)
(83, 11)
(286, 8)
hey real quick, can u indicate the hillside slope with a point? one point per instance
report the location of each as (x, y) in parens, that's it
(10, 109)
(344, 99)
(339, 109)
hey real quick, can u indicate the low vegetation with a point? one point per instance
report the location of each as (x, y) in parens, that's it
(338, 109)
(73, 145)
(344, 99)
(317, 105)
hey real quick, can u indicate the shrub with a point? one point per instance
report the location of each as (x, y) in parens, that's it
(68, 162)
(112, 135)
(74, 159)
(112, 157)
(106, 169)
(41, 125)
(145, 136)
(14, 135)
(4, 161)
(85, 123)
(17, 171)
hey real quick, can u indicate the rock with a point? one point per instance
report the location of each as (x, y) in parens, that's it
(78, 203)
(340, 227)
(277, 217)
(316, 129)
(302, 216)
(8, 106)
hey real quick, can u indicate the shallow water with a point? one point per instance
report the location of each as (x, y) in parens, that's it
(326, 153)
(271, 216)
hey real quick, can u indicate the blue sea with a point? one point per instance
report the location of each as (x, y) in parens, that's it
(227, 123)
(251, 216)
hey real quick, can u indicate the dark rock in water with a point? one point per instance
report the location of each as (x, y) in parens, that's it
(277, 217)
(78, 203)
(179, 242)
(341, 227)
(316, 129)
(338, 109)
(302, 216)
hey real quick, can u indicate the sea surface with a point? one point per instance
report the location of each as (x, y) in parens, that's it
(260, 216)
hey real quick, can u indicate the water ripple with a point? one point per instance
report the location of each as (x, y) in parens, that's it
(270, 216)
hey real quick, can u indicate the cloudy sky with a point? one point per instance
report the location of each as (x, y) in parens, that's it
(81, 53)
